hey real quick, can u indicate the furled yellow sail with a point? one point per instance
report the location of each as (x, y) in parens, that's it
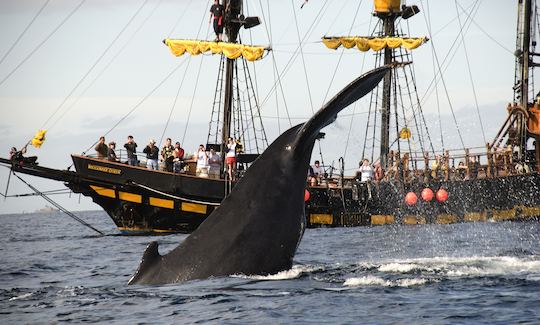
(373, 43)
(231, 50)
(39, 138)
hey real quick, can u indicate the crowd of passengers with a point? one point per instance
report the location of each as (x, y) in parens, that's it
(173, 158)
(373, 172)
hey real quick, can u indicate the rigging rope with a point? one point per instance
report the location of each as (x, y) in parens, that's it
(198, 75)
(58, 206)
(35, 49)
(24, 31)
(470, 73)
(92, 67)
(139, 103)
(100, 73)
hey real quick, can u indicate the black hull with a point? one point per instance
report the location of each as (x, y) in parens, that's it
(502, 198)
(140, 201)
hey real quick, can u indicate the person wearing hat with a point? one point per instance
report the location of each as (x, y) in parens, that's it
(111, 154)
(152, 154)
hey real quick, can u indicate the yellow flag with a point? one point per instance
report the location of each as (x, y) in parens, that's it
(405, 133)
(39, 138)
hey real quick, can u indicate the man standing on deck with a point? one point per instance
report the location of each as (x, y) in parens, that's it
(216, 11)
(131, 148)
(101, 149)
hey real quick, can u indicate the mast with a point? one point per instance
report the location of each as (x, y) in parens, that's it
(388, 19)
(233, 8)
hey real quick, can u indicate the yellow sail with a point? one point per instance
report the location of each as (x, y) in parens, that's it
(373, 43)
(231, 50)
(39, 138)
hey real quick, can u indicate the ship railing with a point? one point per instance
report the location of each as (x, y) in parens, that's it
(453, 165)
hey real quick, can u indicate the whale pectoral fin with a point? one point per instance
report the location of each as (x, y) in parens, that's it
(149, 260)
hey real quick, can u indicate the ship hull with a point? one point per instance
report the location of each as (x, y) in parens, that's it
(514, 197)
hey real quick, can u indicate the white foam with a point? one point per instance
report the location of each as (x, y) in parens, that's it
(295, 272)
(371, 280)
(464, 266)
(24, 296)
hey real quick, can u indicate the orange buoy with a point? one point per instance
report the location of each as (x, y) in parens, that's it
(442, 195)
(411, 198)
(307, 195)
(427, 194)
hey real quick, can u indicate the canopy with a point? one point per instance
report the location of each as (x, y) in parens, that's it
(374, 43)
(231, 50)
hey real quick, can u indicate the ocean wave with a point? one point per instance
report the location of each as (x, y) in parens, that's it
(461, 266)
(295, 272)
(371, 280)
(23, 296)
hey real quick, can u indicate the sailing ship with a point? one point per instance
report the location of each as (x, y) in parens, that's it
(503, 183)
(498, 182)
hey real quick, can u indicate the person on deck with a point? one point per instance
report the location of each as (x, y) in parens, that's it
(216, 12)
(178, 161)
(214, 161)
(167, 155)
(318, 171)
(202, 161)
(366, 171)
(473, 167)
(230, 158)
(111, 153)
(131, 149)
(152, 153)
(101, 149)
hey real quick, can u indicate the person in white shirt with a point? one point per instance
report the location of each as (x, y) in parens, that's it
(202, 161)
(230, 158)
(366, 171)
(318, 171)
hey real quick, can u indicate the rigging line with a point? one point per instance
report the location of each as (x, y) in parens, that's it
(295, 55)
(274, 69)
(198, 75)
(58, 206)
(93, 66)
(302, 56)
(436, 82)
(180, 18)
(140, 102)
(337, 16)
(24, 31)
(470, 74)
(446, 91)
(173, 196)
(485, 32)
(450, 54)
(113, 59)
(90, 70)
(42, 42)
(361, 69)
(174, 103)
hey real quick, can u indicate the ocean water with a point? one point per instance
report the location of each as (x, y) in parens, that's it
(53, 270)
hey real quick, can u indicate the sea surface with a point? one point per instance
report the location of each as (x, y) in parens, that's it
(53, 270)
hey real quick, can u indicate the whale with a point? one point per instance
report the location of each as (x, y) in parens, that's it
(257, 228)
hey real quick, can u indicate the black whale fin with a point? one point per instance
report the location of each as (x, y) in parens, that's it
(150, 258)
(328, 113)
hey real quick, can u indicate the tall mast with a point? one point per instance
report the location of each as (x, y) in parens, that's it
(233, 9)
(388, 19)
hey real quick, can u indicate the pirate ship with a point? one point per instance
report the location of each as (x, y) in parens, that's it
(414, 183)
(143, 201)
(503, 183)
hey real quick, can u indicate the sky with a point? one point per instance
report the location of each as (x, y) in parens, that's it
(79, 67)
